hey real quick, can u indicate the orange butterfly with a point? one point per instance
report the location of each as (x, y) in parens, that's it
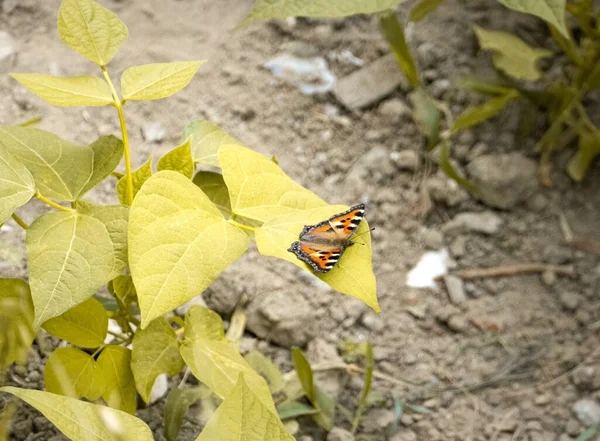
(323, 244)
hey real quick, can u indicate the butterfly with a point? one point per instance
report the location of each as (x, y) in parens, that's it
(322, 245)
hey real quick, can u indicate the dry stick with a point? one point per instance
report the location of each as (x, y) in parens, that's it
(513, 270)
(590, 245)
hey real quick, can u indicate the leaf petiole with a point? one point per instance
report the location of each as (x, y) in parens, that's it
(242, 226)
(52, 203)
(19, 221)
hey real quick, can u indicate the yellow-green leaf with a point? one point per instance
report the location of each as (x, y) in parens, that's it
(90, 29)
(60, 169)
(483, 112)
(155, 351)
(140, 176)
(213, 185)
(155, 81)
(512, 55)
(84, 325)
(450, 171)
(553, 11)
(119, 390)
(74, 91)
(423, 9)
(305, 374)
(267, 9)
(426, 115)
(214, 360)
(206, 139)
(81, 421)
(179, 243)
(589, 149)
(258, 188)
(177, 405)
(16, 184)
(244, 417)
(179, 159)
(115, 220)
(393, 32)
(352, 275)
(70, 258)
(73, 373)
(266, 369)
(16, 321)
(123, 288)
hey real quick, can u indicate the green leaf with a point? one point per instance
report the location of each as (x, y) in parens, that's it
(589, 149)
(266, 369)
(81, 421)
(177, 405)
(588, 434)
(370, 362)
(62, 170)
(353, 274)
(294, 409)
(206, 139)
(70, 258)
(483, 112)
(447, 168)
(179, 159)
(84, 325)
(156, 81)
(512, 55)
(16, 318)
(179, 243)
(393, 32)
(115, 219)
(553, 11)
(213, 185)
(426, 115)
(73, 373)
(243, 416)
(214, 360)
(485, 87)
(74, 91)
(258, 188)
(123, 288)
(91, 29)
(326, 404)
(423, 9)
(16, 185)
(267, 9)
(155, 351)
(119, 392)
(140, 176)
(6, 418)
(305, 374)
(31, 122)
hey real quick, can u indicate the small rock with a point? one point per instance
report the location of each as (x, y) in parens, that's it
(22, 428)
(440, 87)
(378, 420)
(8, 52)
(339, 434)
(587, 411)
(444, 190)
(569, 300)
(505, 180)
(456, 289)
(395, 109)
(458, 323)
(537, 202)
(376, 164)
(323, 32)
(281, 318)
(573, 427)
(564, 437)
(222, 296)
(486, 222)
(534, 425)
(587, 377)
(548, 278)
(33, 377)
(372, 321)
(428, 55)
(433, 239)
(9, 5)
(543, 399)
(153, 131)
(458, 247)
(404, 435)
(407, 160)
(557, 254)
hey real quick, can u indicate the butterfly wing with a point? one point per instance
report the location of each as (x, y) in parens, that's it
(339, 226)
(321, 258)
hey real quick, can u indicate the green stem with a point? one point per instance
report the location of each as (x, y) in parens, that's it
(52, 203)
(119, 106)
(242, 226)
(19, 221)
(97, 351)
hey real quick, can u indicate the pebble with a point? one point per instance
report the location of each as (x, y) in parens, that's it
(440, 87)
(548, 278)
(378, 420)
(8, 52)
(573, 427)
(406, 160)
(153, 131)
(432, 239)
(458, 246)
(444, 190)
(339, 434)
(372, 321)
(587, 411)
(456, 289)
(569, 300)
(486, 222)
(428, 55)
(404, 435)
(395, 109)
(587, 377)
(458, 323)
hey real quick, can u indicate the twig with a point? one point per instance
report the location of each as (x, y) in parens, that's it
(514, 270)
(565, 227)
(589, 245)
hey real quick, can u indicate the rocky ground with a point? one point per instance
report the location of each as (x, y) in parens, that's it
(506, 358)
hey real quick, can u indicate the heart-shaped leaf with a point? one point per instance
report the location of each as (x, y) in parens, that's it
(177, 405)
(179, 159)
(206, 138)
(352, 275)
(73, 373)
(119, 391)
(179, 243)
(16, 184)
(16, 321)
(213, 185)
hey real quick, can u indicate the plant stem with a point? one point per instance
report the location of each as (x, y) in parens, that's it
(97, 351)
(242, 226)
(52, 203)
(119, 106)
(19, 221)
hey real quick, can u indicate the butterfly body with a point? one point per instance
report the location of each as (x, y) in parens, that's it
(322, 245)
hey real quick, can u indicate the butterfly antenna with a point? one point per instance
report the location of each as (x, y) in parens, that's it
(363, 233)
